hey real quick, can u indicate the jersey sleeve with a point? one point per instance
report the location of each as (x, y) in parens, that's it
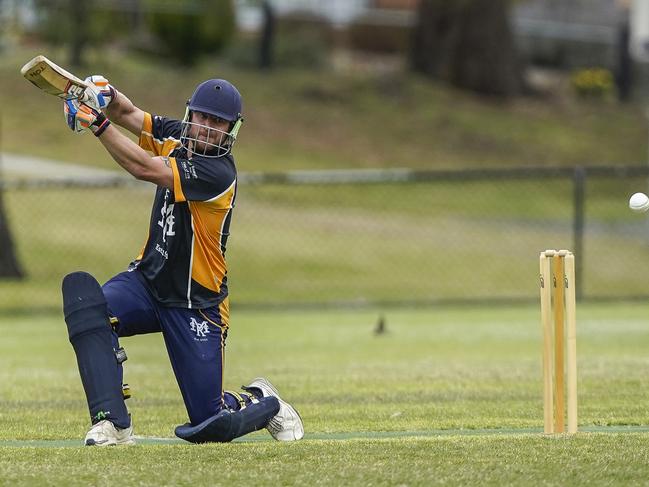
(201, 180)
(160, 135)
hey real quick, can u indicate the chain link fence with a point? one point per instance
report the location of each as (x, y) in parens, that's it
(327, 239)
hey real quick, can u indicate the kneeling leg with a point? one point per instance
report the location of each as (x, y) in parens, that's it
(89, 330)
(228, 425)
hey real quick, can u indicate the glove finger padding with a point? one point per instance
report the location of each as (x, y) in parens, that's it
(70, 110)
(79, 116)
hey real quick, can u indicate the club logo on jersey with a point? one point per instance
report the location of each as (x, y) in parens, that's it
(200, 328)
(168, 220)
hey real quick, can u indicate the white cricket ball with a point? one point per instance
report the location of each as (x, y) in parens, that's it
(639, 202)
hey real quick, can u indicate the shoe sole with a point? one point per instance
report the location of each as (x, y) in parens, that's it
(117, 443)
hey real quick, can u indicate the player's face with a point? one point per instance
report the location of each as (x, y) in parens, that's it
(214, 130)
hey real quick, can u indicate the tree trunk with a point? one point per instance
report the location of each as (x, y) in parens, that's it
(624, 65)
(136, 16)
(469, 44)
(9, 266)
(78, 13)
(266, 40)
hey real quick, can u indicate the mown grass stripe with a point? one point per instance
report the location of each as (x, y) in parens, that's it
(352, 435)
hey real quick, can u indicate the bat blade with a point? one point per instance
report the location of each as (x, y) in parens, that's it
(53, 79)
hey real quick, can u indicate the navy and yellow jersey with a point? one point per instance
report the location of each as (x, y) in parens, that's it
(183, 260)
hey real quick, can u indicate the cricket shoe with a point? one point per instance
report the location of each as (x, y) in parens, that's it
(104, 433)
(286, 425)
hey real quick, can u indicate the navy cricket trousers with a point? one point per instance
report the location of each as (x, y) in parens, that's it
(194, 338)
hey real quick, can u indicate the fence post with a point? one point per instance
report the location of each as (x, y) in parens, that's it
(579, 186)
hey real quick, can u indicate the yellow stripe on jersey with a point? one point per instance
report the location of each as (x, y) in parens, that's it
(208, 266)
(179, 196)
(223, 325)
(224, 310)
(150, 143)
(141, 254)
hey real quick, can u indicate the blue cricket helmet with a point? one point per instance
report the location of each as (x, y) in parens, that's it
(217, 97)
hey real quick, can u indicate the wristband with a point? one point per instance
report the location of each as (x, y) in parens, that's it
(101, 123)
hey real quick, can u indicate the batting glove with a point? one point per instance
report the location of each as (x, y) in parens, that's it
(104, 90)
(81, 117)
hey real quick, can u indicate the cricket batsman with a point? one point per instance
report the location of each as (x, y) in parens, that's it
(177, 285)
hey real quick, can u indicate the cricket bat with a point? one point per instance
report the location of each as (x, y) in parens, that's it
(55, 80)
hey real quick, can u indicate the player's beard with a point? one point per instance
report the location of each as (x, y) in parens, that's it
(207, 142)
(202, 140)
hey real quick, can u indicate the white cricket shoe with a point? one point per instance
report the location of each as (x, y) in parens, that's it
(286, 425)
(104, 433)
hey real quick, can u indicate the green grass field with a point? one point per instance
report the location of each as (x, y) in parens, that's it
(347, 243)
(447, 396)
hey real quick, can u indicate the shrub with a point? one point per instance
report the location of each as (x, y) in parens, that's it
(188, 28)
(592, 82)
(55, 25)
(302, 40)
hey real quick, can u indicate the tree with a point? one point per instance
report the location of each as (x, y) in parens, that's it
(9, 266)
(188, 28)
(469, 44)
(78, 35)
(267, 35)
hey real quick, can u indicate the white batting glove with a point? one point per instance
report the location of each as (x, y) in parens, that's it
(103, 89)
(92, 98)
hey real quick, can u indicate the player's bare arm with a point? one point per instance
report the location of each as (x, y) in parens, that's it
(134, 159)
(124, 113)
(118, 107)
(83, 116)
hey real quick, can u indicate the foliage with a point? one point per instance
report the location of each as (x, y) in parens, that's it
(191, 27)
(299, 40)
(55, 24)
(592, 82)
(302, 40)
(290, 126)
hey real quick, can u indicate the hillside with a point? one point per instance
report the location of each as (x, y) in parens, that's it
(317, 120)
